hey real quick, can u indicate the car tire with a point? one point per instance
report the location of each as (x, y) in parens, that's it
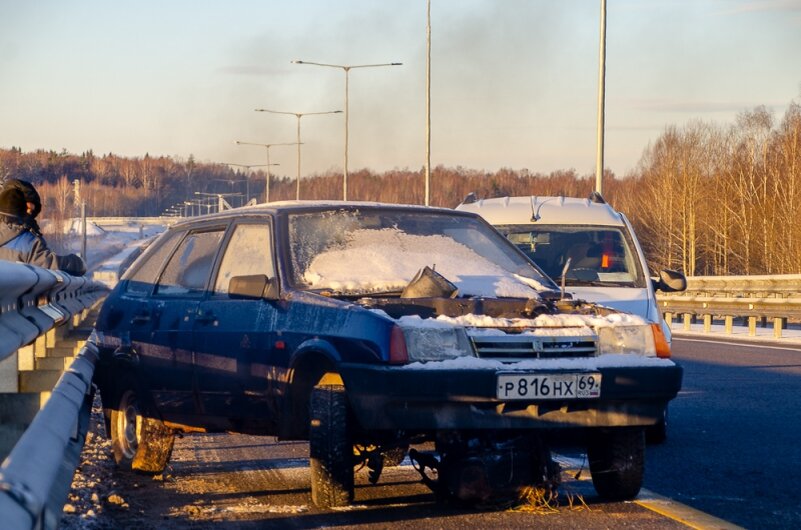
(138, 443)
(657, 434)
(617, 463)
(330, 447)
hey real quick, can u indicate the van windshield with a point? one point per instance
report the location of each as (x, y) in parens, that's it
(599, 255)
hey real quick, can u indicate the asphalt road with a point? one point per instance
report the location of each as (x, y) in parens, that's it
(733, 452)
(734, 447)
(249, 482)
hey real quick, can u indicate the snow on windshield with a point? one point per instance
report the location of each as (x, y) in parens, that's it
(375, 260)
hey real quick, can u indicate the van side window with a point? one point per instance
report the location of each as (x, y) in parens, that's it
(144, 277)
(249, 252)
(189, 267)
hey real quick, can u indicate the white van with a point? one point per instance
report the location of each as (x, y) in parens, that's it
(586, 246)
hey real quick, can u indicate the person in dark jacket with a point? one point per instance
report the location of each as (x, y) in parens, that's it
(33, 202)
(20, 237)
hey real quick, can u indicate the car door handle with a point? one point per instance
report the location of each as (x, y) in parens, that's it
(205, 318)
(140, 319)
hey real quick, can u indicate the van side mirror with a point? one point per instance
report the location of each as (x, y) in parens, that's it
(670, 281)
(254, 286)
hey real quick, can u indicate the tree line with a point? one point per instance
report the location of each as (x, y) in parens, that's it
(705, 198)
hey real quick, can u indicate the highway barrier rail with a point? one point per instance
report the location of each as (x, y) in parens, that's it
(35, 300)
(35, 478)
(756, 299)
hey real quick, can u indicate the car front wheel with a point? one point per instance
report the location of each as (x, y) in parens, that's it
(330, 447)
(617, 462)
(138, 442)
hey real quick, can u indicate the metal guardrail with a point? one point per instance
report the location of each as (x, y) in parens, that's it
(35, 300)
(35, 478)
(753, 298)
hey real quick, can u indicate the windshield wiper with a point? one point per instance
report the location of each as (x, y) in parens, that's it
(594, 283)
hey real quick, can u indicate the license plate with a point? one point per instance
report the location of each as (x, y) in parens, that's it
(549, 386)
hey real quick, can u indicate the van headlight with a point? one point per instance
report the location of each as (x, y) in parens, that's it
(637, 340)
(437, 343)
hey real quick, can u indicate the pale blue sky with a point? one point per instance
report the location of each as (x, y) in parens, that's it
(513, 81)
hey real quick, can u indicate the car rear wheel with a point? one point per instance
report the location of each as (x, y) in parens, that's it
(617, 462)
(138, 442)
(330, 447)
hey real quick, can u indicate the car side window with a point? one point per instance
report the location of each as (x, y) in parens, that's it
(189, 267)
(249, 252)
(142, 278)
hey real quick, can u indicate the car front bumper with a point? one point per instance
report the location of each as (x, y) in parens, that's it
(389, 398)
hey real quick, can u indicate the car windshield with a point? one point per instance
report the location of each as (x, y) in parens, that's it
(599, 255)
(366, 251)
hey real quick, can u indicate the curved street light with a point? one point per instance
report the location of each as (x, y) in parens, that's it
(267, 146)
(299, 115)
(247, 167)
(346, 68)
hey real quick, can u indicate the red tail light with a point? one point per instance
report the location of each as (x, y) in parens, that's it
(660, 342)
(397, 347)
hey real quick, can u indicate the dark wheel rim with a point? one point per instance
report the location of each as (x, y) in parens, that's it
(129, 425)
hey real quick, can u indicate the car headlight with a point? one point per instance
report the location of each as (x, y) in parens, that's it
(436, 343)
(637, 340)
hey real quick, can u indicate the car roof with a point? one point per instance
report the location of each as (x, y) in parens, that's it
(283, 207)
(544, 210)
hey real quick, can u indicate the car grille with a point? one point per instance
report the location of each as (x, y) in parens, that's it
(533, 347)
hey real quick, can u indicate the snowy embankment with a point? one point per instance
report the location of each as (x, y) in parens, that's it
(107, 245)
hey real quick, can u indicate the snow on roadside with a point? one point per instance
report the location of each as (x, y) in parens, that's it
(93, 494)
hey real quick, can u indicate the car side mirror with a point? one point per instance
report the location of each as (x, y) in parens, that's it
(254, 286)
(670, 281)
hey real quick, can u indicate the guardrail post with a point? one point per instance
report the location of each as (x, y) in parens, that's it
(27, 358)
(752, 322)
(779, 323)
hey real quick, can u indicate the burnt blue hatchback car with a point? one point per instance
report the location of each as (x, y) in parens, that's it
(376, 332)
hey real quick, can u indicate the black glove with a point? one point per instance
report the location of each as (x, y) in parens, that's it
(72, 264)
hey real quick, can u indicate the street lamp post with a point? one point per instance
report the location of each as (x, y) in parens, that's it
(299, 115)
(599, 155)
(210, 197)
(346, 68)
(247, 177)
(427, 195)
(266, 146)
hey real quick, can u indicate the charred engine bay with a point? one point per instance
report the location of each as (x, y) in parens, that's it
(493, 307)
